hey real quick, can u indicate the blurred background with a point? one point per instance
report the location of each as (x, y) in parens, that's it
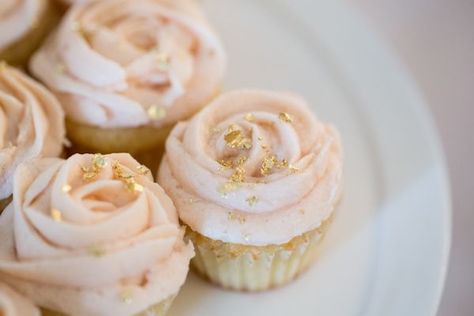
(435, 40)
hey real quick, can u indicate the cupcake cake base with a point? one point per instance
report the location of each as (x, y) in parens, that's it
(254, 268)
(145, 143)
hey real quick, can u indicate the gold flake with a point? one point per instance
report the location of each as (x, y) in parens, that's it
(241, 160)
(249, 117)
(214, 130)
(236, 217)
(227, 187)
(96, 251)
(285, 117)
(99, 161)
(126, 296)
(252, 200)
(225, 163)
(143, 170)
(293, 169)
(66, 188)
(235, 139)
(238, 176)
(88, 176)
(267, 164)
(56, 214)
(156, 112)
(260, 138)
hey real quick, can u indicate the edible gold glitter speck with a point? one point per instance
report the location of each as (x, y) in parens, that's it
(252, 200)
(249, 117)
(285, 117)
(236, 217)
(234, 139)
(56, 214)
(156, 112)
(143, 170)
(99, 161)
(96, 251)
(293, 169)
(225, 163)
(238, 176)
(66, 188)
(227, 187)
(126, 296)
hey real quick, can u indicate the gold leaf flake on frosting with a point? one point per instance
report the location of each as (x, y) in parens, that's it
(235, 139)
(96, 251)
(156, 112)
(249, 117)
(236, 217)
(56, 215)
(285, 117)
(127, 179)
(252, 200)
(97, 164)
(66, 188)
(126, 296)
(143, 170)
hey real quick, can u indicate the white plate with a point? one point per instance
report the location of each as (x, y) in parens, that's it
(386, 253)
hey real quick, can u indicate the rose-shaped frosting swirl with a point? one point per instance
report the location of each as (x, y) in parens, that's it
(17, 17)
(127, 63)
(31, 124)
(253, 167)
(92, 235)
(13, 304)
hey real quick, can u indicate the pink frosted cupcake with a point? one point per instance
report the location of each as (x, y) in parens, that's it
(127, 71)
(92, 235)
(14, 304)
(255, 177)
(23, 26)
(31, 125)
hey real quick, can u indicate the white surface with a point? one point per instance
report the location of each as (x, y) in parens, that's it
(386, 251)
(435, 40)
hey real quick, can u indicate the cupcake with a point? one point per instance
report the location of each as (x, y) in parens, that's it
(92, 235)
(14, 304)
(23, 25)
(255, 177)
(127, 71)
(31, 125)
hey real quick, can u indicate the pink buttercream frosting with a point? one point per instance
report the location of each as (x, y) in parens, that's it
(14, 304)
(17, 17)
(92, 235)
(31, 124)
(253, 167)
(121, 63)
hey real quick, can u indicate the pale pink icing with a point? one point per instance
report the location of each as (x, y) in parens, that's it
(110, 61)
(143, 255)
(14, 304)
(31, 124)
(17, 17)
(288, 203)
